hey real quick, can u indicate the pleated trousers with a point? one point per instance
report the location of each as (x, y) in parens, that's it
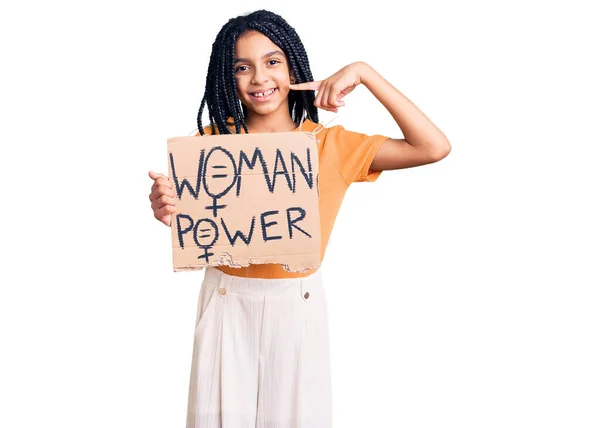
(260, 354)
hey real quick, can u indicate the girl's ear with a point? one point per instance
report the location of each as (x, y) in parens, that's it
(292, 79)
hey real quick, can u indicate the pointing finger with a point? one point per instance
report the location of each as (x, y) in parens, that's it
(307, 86)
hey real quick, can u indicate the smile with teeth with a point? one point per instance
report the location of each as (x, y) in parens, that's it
(263, 94)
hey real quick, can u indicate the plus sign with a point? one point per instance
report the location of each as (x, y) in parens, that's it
(214, 207)
(206, 254)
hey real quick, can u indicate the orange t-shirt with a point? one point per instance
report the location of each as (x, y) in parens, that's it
(344, 158)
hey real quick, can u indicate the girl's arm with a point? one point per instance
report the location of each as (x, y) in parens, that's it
(423, 142)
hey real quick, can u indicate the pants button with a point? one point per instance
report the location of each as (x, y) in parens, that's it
(306, 295)
(222, 291)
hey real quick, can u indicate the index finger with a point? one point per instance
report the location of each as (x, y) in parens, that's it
(307, 86)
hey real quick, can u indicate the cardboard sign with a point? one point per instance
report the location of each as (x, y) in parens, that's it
(245, 199)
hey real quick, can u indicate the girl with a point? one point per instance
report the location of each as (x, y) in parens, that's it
(261, 344)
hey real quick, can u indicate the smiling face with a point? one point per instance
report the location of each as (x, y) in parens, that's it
(262, 75)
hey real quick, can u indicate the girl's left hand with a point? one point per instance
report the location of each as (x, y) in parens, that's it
(335, 87)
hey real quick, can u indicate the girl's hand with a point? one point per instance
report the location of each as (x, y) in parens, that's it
(335, 87)
(162, 198)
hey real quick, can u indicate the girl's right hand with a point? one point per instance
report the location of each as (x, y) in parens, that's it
(162, 197)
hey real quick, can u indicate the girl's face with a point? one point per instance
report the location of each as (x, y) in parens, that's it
(261, 73)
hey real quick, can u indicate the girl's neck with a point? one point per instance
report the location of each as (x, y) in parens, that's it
(280, 121)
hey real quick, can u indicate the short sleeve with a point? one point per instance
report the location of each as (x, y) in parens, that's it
(355, 153)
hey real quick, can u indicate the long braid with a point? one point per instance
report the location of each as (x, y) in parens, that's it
(221, 95)
(234, 104)
(215, 78)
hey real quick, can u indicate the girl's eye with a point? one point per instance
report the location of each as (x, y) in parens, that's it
(273, 62)
(241, 68)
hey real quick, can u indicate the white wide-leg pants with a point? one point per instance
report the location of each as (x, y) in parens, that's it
(261, 354)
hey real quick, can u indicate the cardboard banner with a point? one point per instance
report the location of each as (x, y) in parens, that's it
(245, 199)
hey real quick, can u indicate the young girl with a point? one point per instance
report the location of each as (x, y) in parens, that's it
(261, 344)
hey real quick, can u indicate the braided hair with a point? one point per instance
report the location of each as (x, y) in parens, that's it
(221, 96)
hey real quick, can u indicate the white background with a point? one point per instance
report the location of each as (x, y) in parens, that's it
(463, 293)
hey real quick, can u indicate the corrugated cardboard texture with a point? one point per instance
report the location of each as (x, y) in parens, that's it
(245, 199)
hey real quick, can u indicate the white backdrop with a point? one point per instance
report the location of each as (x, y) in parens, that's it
(463, 293)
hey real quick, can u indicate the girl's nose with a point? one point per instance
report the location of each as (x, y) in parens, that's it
(260, 77)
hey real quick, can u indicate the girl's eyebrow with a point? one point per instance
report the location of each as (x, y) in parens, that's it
(264, 56)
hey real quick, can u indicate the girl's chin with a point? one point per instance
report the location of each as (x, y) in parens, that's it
(262, 109)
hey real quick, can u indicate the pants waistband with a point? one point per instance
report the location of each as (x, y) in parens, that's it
(263, 286)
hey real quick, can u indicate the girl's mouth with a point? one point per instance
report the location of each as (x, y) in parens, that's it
(263, 96)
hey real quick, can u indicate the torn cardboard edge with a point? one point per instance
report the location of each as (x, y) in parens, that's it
(296, 265)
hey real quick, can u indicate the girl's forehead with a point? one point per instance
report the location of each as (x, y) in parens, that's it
(254, 45)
